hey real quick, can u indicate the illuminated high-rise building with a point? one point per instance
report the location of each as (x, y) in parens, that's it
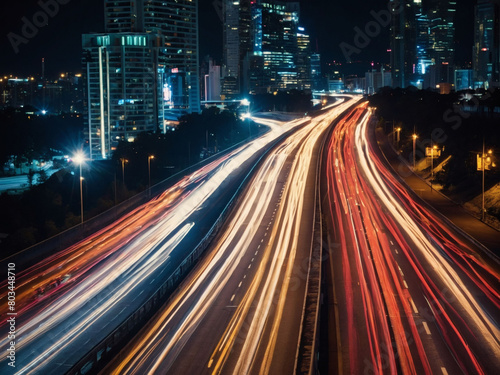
(123, 95)
(303, 60)
(403, 41)
(316, 77)
(486, 51)
(141, 71)
(275, 30)
(441, 15)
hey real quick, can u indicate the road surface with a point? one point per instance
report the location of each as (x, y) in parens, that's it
(240, 311)
(411, 294)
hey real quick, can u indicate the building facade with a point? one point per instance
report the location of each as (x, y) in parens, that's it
(142, 71)
(124, 92)
(486, 51)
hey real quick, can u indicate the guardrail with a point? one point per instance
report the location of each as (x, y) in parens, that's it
(110, 347)
(308, 348)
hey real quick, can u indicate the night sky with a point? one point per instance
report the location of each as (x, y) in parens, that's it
(329, 22)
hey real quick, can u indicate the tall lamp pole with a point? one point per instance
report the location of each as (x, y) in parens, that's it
(149, 171)
(79, 159)
(414, 142)
(485, 158)
(482, 168)
(123, 160)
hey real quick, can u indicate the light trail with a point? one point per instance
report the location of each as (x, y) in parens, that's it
(65, 297)
(252, 329)
(371, 209)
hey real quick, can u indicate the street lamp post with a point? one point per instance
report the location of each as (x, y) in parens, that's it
(149, 171)
(79, 159)
(414, 142)
(433, 149)
(123, 160)
(81, 193)
(482, 195)
(484, 158)
(397, 139)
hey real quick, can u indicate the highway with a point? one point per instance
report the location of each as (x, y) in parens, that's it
(410, 293)
(70, 301)
(240, 310)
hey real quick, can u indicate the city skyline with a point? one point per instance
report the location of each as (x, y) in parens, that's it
(327, 24)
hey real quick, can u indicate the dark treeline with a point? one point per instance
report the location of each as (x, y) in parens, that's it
(457, 123)
(291, 101)
(29, 136)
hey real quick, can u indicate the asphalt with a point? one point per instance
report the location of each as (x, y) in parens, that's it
(486, 235)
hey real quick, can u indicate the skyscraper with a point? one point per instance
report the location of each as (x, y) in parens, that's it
(441, 15)
(141, 71)
(303, 60)
(486, 51)
(275, 38)
(231, 49)
(316, 77)
(403, 41)
(123, 95)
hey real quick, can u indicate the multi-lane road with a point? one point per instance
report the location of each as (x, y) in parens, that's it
(71, 300)
(240, 311)
(411, 294)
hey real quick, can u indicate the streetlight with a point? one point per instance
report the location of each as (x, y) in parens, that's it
(485, 158)
(434, 148)
(433, 151)
(414, 136)
(123, 160)
(79, 158)
(397, 140)
(149, 171)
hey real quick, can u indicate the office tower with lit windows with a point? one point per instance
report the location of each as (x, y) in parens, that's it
(275, 28)
(423, 43)
(177, 22)
(231, 49)
(123, 94)
(403, 41)
(142, 71)
(316, 77)
(303, 60)
(486, 51)
(441, 15)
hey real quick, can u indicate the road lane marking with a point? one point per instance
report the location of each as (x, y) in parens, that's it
(413, 306)
(443, 370)
(239, 285)
(406, 285)
(401, 271)
(232, 298)
(250, 265)
(426, 327)
(256, 252)
(253, 259)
